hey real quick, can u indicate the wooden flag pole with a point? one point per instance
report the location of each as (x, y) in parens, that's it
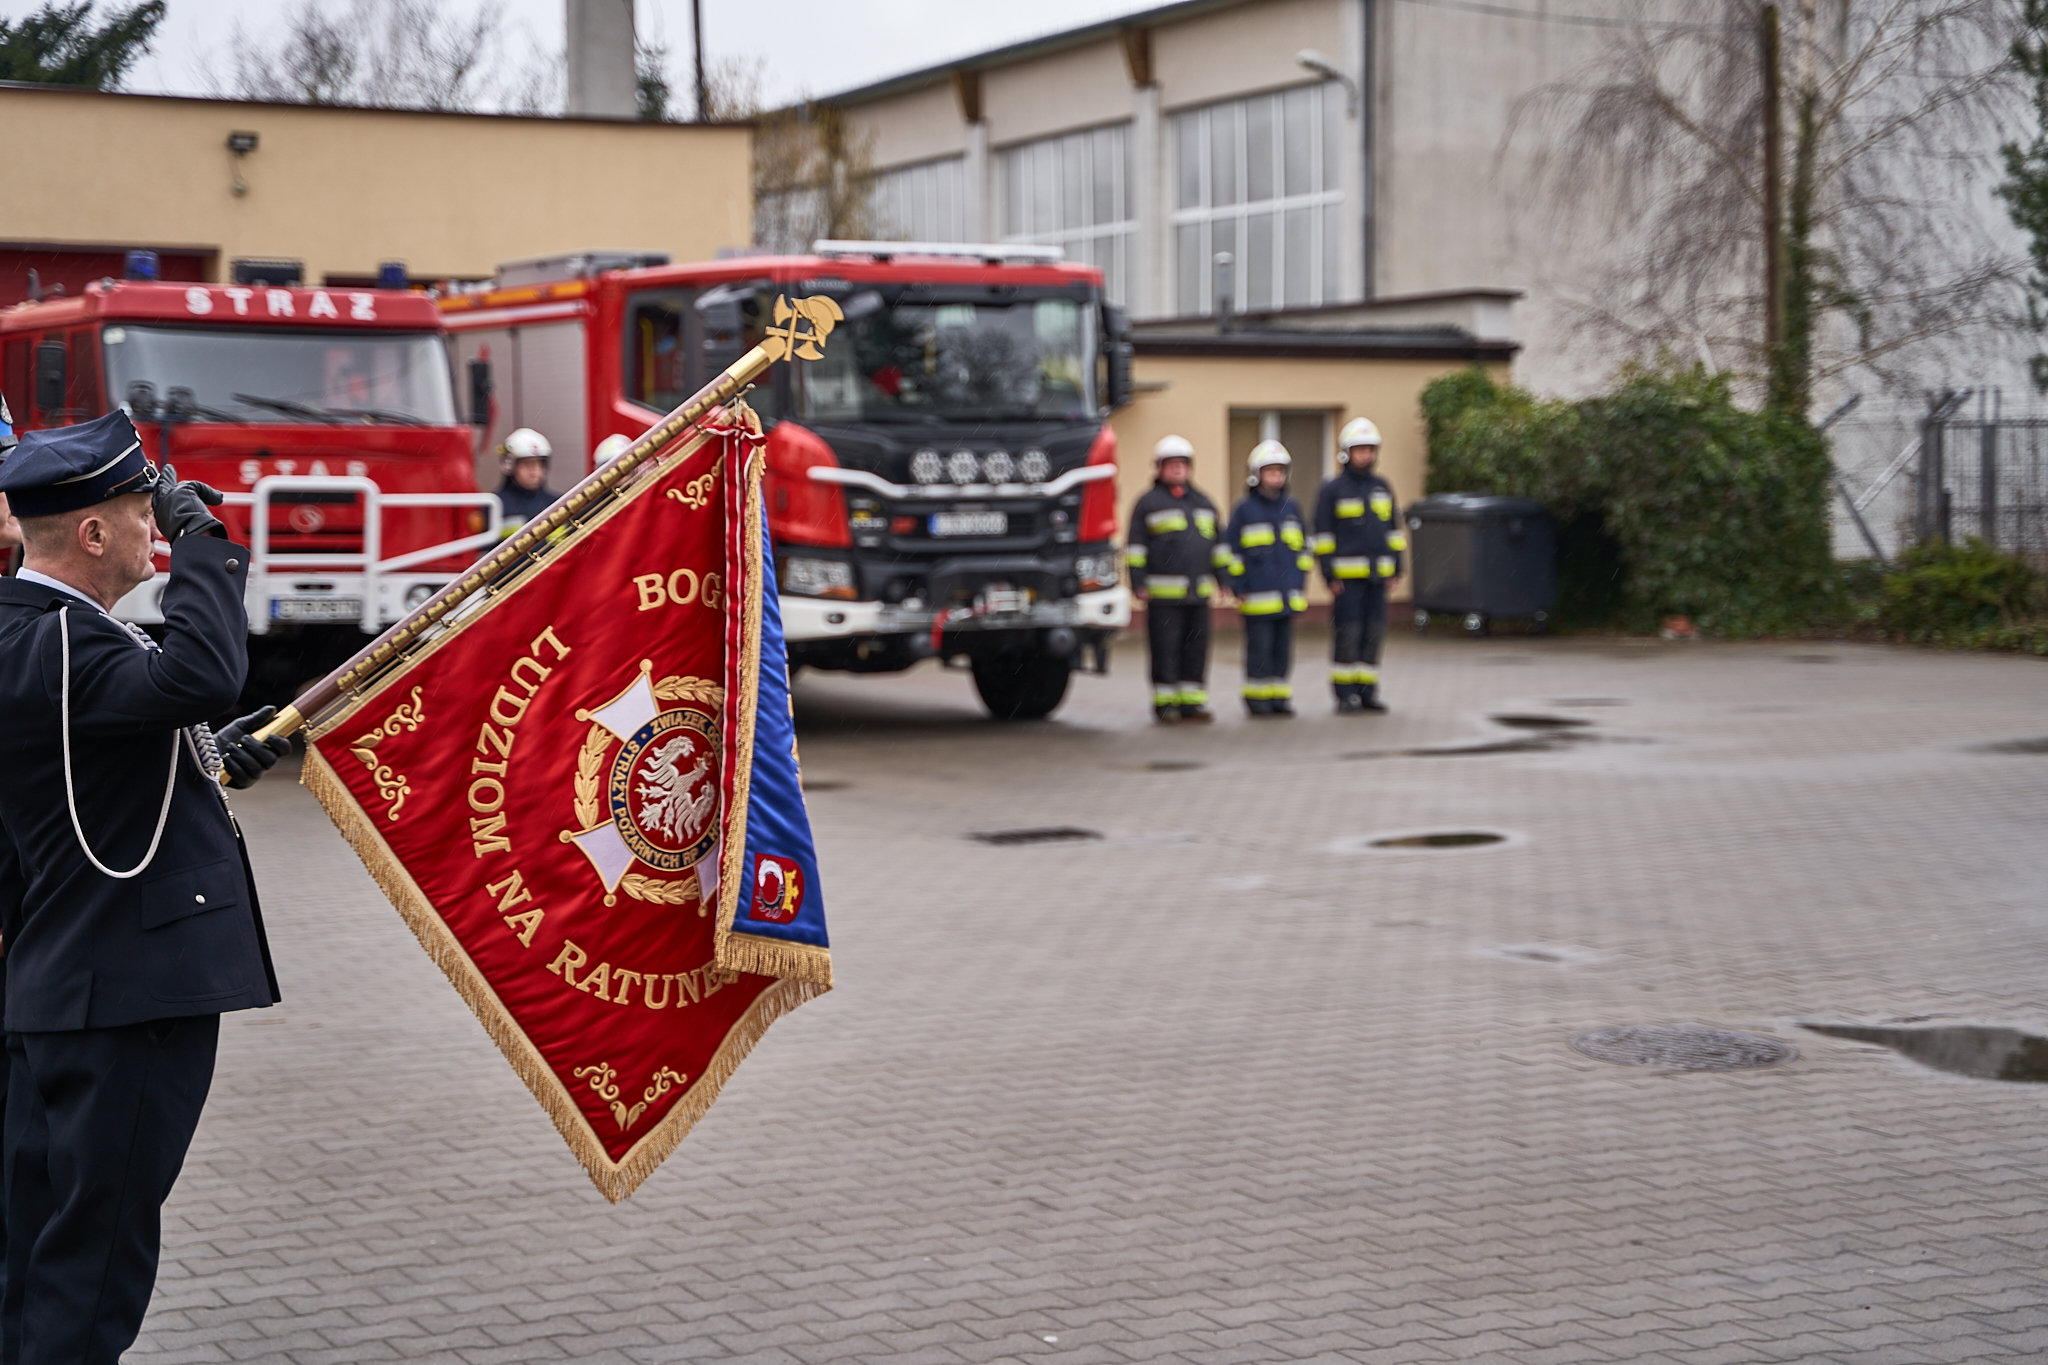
(788, 337)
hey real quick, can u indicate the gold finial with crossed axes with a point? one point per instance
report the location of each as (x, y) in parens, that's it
(787, 338)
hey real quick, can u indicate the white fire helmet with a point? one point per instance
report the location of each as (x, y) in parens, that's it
(1359, 431)
(525, 444)
(609, 449)
(1265, 453)
(1173, 448)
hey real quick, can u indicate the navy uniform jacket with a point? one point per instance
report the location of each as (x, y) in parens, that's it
(1172, 549)
(1358, 527)
(1269, 559)
(184, 937)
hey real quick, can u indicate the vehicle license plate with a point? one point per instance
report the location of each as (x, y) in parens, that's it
(316, 609)
(970, 523)
(1002, 601)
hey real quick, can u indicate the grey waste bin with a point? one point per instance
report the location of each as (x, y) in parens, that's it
(1481, 557)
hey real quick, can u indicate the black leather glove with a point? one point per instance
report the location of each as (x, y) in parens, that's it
(180, 508)
(244, 756)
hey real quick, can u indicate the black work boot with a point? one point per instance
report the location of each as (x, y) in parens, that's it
(1369, 700)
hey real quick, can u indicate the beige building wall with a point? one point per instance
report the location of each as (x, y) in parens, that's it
(1245, 48)
(1193, 397)
(452, 195)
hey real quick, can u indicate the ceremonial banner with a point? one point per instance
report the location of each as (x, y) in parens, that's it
(582, 795)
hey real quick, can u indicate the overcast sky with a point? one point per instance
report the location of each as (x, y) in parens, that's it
(808, 46)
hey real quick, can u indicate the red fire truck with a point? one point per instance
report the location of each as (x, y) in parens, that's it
(942, 483)
(327, 416)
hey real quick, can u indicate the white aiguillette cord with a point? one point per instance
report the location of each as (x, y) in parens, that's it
(71, 800)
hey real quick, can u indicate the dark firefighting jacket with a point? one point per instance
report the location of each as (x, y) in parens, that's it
(1358, 528)
(1269, 559)
(1172, 548)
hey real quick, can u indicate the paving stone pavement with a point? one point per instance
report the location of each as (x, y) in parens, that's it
(1229, 1085)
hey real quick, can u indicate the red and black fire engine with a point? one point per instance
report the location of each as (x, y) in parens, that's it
(326, 415)
(942, 482)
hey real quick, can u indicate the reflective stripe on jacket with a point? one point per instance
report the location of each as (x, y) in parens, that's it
(1358, 530)
(1172, 548)
(1268, 553)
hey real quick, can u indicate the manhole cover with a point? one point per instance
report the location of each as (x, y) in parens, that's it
(2013, 746)
(1041, 834)
(1461, 838)
(1683, 1049)
(1528, 722)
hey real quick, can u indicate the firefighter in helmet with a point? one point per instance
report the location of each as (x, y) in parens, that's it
(1359, 543)
(524, 494)
(1173, 554)
(1269, 564)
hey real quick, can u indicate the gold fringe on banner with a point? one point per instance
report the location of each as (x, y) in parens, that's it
(614, 1180)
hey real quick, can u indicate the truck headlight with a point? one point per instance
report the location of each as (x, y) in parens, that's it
(1097, 571)
(817, 577)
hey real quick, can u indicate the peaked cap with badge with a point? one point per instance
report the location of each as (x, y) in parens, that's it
(66, 468)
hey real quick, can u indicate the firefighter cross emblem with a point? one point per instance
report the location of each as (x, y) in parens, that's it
(647, 789)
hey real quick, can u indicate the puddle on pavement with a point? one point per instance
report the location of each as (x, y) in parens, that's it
(1531, 954)
(1037, 834)
(1464, 838)
(1992, 1054)
(1524, 721)
(1813, 658)
(1172, 765)
(825, 784)
(2013, 746)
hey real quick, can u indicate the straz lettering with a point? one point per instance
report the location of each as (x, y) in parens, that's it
(680, 588)
(496, 736)
(655, 990)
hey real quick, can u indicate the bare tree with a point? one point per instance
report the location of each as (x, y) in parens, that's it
(814, 173)
(1841, 225)
(396, 54)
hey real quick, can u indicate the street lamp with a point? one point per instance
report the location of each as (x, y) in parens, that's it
(1324, 67)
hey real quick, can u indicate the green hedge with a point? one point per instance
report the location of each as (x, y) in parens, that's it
(1670, 499)
(1971, 596)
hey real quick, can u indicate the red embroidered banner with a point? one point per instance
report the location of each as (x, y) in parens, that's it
(553, 792)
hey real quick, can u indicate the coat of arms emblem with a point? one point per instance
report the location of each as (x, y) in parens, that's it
(647, 789)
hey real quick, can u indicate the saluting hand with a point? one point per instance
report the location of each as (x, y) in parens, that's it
(245, 757)
(180, 508)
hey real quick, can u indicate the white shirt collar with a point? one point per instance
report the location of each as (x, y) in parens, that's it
(31, 576)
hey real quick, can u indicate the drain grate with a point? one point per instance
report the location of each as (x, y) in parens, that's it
(1683, 1049)
(1038, 834)
(1460, 838)
(1519, 721)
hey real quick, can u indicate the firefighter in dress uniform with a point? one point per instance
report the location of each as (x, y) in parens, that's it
(128, 915)
(1173, 555)
(1269, 565)
(524, 494)
(1359, 543)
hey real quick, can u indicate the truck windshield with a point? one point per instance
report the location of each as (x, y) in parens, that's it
(1032, 359)
(281, 375)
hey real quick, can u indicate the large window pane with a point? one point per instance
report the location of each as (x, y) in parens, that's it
(1103, 155)
(1225, 142)
(1187, 253)
(1258, 149)
(1333, 252)
(1223, 237)
(1297, 141)
(1187, 140)
(1257, 268)
(1335, 138)
(1072, 153)
(1013, 193)
(1298, 256)
(1044, 191)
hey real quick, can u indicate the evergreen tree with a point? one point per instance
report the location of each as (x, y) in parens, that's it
(59, 44)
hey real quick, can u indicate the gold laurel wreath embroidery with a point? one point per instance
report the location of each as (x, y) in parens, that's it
(590, 782)
(391, 786)
(698, 491)
(604, 1081)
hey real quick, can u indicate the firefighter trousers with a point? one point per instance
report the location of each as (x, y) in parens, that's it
(1358, 627)
(1178, 633)
(1268, 659)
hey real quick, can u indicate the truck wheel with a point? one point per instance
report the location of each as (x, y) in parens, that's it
(1021, 686)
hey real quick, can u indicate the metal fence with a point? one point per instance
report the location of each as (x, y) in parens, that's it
(1903, 480)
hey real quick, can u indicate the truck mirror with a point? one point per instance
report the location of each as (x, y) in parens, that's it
(1116, 352)
(480, 393)
(722, 322)
(50, 378)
